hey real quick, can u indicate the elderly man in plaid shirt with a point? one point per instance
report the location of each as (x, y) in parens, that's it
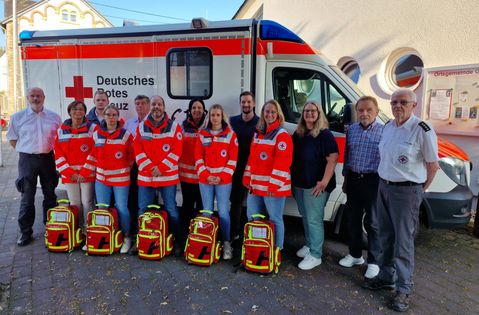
(361, 160)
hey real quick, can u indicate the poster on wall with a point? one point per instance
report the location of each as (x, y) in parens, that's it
(451, 95)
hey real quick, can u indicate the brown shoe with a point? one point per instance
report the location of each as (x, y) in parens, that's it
(400, 302)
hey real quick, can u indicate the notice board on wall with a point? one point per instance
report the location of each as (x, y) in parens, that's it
(451, 98)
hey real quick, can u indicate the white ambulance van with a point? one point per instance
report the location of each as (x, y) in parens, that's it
(216, 61)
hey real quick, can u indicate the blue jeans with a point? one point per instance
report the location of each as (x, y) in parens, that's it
(274, 207)
(147, 196)
(312, 210)
(103, 195)
(222, 193)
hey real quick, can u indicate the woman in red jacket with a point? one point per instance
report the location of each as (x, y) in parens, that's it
(72, 145)
(195, 116)
(112, 158)
(267, 174)
(216, 154)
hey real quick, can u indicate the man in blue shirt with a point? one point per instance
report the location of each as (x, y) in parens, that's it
(361, 160)
(244, 126)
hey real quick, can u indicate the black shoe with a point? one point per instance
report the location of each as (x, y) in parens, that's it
(24, 240)
(133, 250)
(377, 284)
(400, 302)
(178, 250)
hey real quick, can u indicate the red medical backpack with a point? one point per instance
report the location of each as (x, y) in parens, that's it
(103, 236)
(153, 240)
(62, 231)
(202, 247)
(259, 254)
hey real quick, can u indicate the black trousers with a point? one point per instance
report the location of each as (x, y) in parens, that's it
(237, 213)
(362, 190)
(133, 199)
(30, 167)
(192, 204)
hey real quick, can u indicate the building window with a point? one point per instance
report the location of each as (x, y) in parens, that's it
(407, 70)
(189, 73)
(65, 15)
(350, 67)
(401, 69)
(73, 16)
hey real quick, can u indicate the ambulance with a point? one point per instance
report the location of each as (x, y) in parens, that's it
(216, 61)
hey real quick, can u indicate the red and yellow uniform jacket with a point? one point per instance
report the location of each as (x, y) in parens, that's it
(267, 172)
(216, 155)
(111, 156)
(187, 159)
(72, 147)
(161, 147)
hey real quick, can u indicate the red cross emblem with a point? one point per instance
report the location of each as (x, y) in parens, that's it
(77, 91)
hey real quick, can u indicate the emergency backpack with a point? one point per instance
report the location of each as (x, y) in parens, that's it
(103, 236)
(202, 247)
(62, 231)
(153, 240)
(259, 253)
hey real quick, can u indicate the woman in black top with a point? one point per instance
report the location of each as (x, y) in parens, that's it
(315, 156)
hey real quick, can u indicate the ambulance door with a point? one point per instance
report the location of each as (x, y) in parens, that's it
(39, 63)
(292, 85)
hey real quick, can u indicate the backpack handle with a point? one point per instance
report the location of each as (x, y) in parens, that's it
(258, 215)
(153, 206)
(64, 201)
(206, 211)
(103, 205)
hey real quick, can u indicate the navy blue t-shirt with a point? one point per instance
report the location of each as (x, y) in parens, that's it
(309, 159)
(244, 132)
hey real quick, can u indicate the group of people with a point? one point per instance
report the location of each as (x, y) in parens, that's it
(98, 155)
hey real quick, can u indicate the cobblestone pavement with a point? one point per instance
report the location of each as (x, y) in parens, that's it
(34, 281)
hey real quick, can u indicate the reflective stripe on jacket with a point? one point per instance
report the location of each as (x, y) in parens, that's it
(216, 155)
(111, 156)
(161, 147)
(72, 147)
(267, 172)
(187, 159)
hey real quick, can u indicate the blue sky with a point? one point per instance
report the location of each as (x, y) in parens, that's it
(159, 11)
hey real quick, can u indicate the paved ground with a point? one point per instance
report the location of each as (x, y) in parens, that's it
(34, 281)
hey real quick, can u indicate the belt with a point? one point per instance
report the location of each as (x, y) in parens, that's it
(362, 175)
(37, 154)
(406, 183)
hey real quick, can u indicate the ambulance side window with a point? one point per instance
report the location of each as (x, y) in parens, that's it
(335, 104)
(189, 73)
(293, 87)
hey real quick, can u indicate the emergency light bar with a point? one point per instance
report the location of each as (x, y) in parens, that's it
(270, 30)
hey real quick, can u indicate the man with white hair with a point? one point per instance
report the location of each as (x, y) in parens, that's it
(32, 133)
(408, 163)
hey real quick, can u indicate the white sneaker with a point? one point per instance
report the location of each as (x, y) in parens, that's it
(303, 252)
(372, 271)
(84, 248)
(227, 251)
(309, 262)
(349, 261)
(126, 245)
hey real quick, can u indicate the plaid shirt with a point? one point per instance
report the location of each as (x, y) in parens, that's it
(362, 152)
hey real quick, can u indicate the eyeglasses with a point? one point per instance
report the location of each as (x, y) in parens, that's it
(79, 109)
(310, 111)
(401, 102)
